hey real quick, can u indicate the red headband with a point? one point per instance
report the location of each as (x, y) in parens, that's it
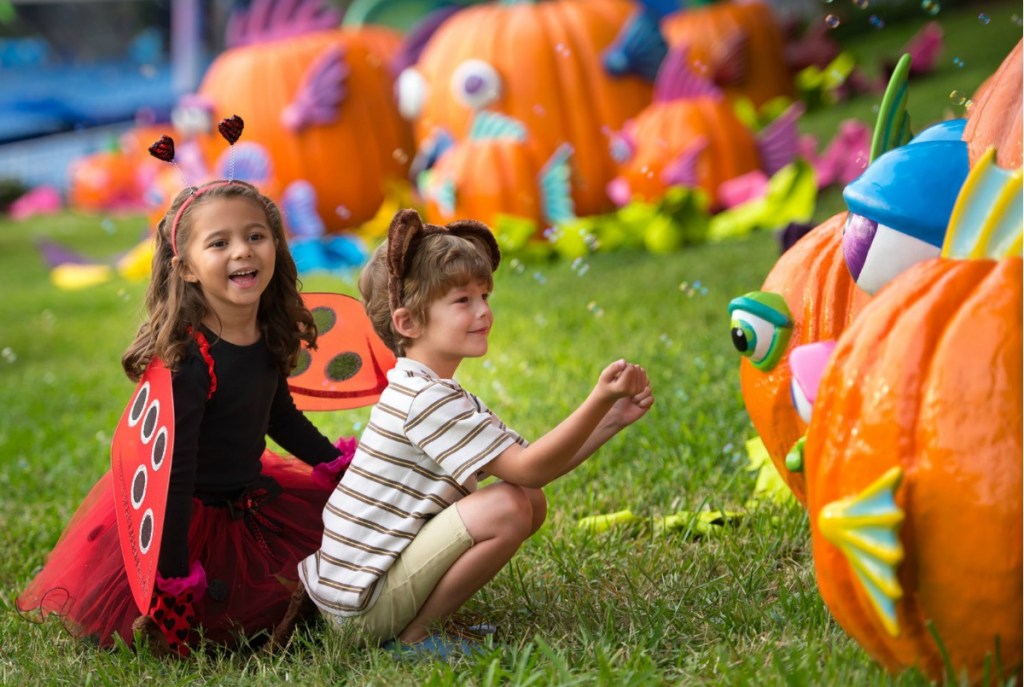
(196, 192)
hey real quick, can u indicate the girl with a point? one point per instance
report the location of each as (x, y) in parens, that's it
(226, 317)
(408, 537)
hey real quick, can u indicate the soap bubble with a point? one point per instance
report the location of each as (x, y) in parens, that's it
(984, 19)
(860, 4)
(876, 21)
(957, 97)
(931, 7)
(595, 309)
(832, 21)
(8, 355)
(958, 63)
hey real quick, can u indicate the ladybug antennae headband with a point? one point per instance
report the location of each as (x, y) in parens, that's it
(231, 129)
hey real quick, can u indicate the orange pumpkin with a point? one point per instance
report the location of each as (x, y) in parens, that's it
(920, 409)
(823, 300)
(668, 129)
(104, 181)
(996, 118)
(349, 161)
(540, 63)
(714, 33)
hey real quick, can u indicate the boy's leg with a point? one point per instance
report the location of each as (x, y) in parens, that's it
(499, 518)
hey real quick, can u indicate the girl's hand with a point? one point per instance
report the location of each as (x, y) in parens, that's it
(622, 380)
(628, 410)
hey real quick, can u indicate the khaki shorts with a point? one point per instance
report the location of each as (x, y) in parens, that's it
(414, 575)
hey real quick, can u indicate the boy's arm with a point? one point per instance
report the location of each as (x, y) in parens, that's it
(576, 437)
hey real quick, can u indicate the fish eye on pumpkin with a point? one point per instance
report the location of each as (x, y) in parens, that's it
(876, 253)
(760, 327)
(476, 84)
(412, 93)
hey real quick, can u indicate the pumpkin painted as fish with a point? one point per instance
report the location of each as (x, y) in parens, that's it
(821, 300)
(539, 63)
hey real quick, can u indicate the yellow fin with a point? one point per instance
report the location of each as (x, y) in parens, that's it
(865, 527)
(988, 218)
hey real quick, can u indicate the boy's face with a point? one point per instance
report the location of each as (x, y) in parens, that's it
(457, 327)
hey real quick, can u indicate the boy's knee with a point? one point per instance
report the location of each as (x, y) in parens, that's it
(512, 509)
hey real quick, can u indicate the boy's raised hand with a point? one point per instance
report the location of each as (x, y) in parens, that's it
(629, 385)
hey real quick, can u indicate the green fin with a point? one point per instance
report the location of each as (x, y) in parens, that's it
(602, 523)
(401, 15)
(865, 527)
(988, 218)
(892, 128)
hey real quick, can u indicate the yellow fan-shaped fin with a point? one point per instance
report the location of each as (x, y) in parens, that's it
(865, 527)
(988, 218)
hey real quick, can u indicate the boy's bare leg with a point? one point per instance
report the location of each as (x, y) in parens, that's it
(499, 518)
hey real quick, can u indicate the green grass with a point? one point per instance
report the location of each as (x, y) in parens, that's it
(625, 607)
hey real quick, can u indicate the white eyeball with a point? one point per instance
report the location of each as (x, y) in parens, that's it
(476, 84)
(412, 93)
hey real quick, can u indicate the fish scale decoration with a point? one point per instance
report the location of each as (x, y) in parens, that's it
(319, 99)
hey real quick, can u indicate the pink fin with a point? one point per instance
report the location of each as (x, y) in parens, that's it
(779, 142)
(677, 80)
(321, 93)
(682, 171)
(271, 20)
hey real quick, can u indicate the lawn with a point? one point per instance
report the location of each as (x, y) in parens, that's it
(624, 607)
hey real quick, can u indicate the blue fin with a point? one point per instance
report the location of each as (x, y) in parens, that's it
(493, 126)
(556, 186)
(638, 49)
(865, 528)
(987, 220)
(444, 194)
(892, 128)
(299, 205)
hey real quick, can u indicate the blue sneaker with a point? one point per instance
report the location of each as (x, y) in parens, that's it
(436, 647)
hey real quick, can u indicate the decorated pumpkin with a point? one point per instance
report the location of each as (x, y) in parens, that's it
(996, 118)
(808, 296)
(494, 173)
(107, 180)
(540, 63)
(737, 44)
(319, 101)
(914, 472)
(691, 136)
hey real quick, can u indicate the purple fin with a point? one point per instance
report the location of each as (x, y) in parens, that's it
(271, 20)
(682, 171)
(419, 36)
(638, 49)
(732, 67)
(779, 142)
(677, 80)
(55, 254)
(250, 162)
(321, 93)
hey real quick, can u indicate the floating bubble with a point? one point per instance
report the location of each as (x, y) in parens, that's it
(968, 104)
(984, 19)
(832, 21)
(665, 340)
(1016, 19)
(540, 278)
(516, 265)
(147, 71)
(876, 21)
(342, 212)
(108, 225)
(8, 355)
(828, 2)
(932, 7)
(860, 4)
(957, 97)
(595, 309)
(400, 156)
(958, 63)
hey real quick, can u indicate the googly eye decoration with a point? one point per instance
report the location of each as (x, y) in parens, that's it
(476, 84)
(412, 89)
(140, 468)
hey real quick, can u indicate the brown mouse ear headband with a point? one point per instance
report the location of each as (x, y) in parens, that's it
(406, 233)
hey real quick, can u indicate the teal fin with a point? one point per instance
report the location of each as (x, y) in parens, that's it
(892, 128)
(494, 126)
(444, 194)
(988, 218)
(865, 528)
(556, 187)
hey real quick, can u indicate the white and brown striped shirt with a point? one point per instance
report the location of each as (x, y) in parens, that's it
(425, 441)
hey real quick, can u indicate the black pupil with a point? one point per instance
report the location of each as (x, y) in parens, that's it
(739, 339)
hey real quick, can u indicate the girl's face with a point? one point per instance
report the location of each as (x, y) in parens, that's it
(231, 254)
(457, 327)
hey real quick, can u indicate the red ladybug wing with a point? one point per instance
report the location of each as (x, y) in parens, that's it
(140, 461)
(349, 367)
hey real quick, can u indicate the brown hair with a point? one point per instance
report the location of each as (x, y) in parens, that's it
(176, 306)
(419, 264)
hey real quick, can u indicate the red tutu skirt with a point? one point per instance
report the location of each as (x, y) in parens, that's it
(249, 555)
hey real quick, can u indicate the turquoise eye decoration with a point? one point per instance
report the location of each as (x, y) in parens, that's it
(760, 328)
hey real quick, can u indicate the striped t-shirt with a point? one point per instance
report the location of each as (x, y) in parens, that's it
(425, 441)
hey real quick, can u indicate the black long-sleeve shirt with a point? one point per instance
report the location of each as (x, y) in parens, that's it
(218, 442)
